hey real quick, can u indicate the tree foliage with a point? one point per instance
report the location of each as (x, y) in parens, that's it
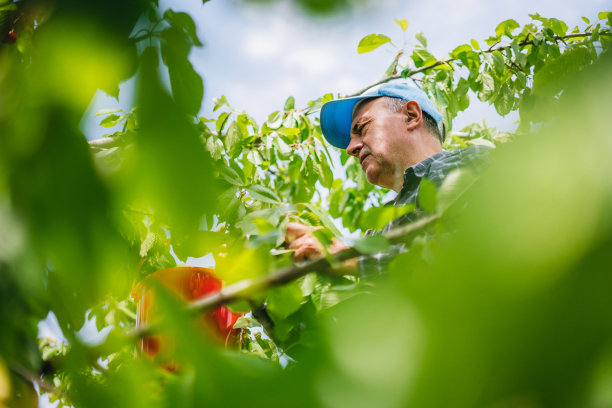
(501, 298)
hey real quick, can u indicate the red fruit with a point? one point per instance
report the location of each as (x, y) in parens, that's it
(11, 37)
(189, 283)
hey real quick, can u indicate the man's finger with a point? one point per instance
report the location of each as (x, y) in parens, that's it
(305, 241)
(295, 230)
(305, 253)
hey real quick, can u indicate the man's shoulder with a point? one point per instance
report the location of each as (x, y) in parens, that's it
(466, 155)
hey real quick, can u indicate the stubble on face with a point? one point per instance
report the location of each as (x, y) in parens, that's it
(380, 131)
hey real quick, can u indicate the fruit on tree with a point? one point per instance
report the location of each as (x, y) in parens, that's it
(188, 283)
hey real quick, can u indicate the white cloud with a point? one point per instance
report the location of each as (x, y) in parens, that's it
(263, 45)
(314, 59)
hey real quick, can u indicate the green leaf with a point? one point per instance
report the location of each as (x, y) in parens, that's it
(550, 79)
(377, 217)
(460, 50)
(8, 7)
(199, 244)
(289, 131)
(283, 148)
(290, 103)
(402, 23)
(421, 38)
(187, 86)
(284, 301)
(327, 176)
(504, 101)
(475, 45)
(275, 119)
(422, 57)
(506, 28)
(107, 111)
(111, 120)
(147, 244)
(242, 263)
(604, 15)
(184, 22)
(453, 186)
(586, 20)
(231, 176)
(219, 102)
(498, 62)
(254, 157)
(263, 194)
(246, 322)
(324, 218)
(371, 42)
(262, 221)
(427, 195)
(557, 26)
(215, 147)
(392, 68)
(371, 244)
(221, 121)
(488, 86)
(232, 137)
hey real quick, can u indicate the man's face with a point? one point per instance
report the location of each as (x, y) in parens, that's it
(378, 140)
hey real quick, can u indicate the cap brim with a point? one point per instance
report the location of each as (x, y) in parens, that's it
(336, 118)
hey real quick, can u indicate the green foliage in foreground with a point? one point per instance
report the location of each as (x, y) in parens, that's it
(504, 301)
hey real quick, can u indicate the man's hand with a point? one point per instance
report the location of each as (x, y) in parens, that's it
(306, 245)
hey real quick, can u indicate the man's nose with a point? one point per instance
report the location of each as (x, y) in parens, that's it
(354, 147)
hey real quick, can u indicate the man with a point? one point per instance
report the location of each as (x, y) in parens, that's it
(396, 133)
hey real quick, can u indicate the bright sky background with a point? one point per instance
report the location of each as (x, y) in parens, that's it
(259, 54)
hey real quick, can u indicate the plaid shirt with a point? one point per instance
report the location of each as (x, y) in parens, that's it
(435, 169)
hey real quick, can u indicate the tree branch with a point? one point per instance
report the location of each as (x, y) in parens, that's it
(448, 60)
(244, 289)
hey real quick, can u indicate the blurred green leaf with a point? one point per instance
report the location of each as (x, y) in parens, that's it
(371, 244)
(284, 301)
(111, 120)
(377, 217)
(421, 38)
(402, 23)
(427, 195)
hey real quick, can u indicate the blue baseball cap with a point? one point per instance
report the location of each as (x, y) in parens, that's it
(337, 115)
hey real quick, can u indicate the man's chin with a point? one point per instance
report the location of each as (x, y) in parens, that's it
(371, 175)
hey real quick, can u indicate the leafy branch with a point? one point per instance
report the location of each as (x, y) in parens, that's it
(246, 288)
(408, 74)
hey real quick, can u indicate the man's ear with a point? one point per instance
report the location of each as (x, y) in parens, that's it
(413, 113)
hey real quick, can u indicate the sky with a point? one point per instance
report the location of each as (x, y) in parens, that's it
(259, 54)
